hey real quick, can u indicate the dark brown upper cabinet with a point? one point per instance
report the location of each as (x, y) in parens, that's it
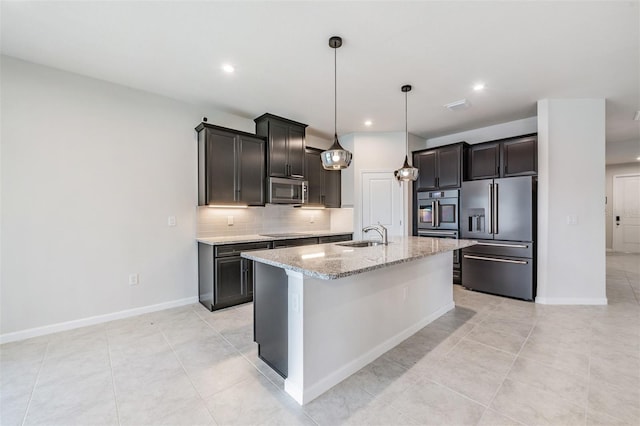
(324, 185)
(286, 144)
(484, 161)
(520, 156)
(503, 158)
(439, 168)
(231, 166)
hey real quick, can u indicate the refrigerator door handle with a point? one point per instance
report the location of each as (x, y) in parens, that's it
(503, 245)
(494, 210)
(490, 208)
(492, 259)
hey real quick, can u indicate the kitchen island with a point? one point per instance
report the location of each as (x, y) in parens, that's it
(323, 312)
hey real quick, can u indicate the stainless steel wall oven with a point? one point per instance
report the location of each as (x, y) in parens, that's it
(437, 210)
(437, 215)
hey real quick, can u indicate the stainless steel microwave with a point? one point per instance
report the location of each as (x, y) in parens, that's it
(287, 191)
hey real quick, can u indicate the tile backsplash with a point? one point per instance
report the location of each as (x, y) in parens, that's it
(215, 222)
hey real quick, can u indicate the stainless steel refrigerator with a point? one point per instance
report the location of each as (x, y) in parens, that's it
(501, 215)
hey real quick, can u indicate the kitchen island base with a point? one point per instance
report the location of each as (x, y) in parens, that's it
(333, 328)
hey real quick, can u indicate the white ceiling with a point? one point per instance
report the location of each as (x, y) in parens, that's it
(523, 51)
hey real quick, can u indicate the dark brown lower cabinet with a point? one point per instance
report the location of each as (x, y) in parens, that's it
(226, 279)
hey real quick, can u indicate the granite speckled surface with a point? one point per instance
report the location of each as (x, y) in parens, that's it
(236, 239)
(333, 261)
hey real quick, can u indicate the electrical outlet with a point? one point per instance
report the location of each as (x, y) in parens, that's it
(229, 220)
(171, 221)
(312, 219)
(295, 302)
(572, 219)
(134, 279)
(405, 293)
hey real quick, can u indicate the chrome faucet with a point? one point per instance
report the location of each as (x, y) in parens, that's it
(380, 229)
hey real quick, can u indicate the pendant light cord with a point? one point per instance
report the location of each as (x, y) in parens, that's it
(406, 124)
(335, 92)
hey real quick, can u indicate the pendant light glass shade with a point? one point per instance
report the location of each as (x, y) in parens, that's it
(336, 157)
(406, 172)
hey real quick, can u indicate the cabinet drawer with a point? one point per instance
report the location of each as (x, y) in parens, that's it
(236, 249)
(501, 248)
(295, 242)
(335, 238)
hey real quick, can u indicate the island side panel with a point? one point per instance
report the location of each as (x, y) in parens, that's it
(270, 316)
(342, 325)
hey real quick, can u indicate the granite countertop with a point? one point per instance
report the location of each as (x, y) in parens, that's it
(235, 239)
(332, 261)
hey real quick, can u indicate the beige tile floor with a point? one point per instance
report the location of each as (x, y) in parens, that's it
(491, 361)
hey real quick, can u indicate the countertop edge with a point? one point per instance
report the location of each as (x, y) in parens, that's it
(315, 274)
(240, 239)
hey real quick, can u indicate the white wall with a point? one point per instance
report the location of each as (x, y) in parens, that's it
(372, 152)
(571, 182)
(489, 133)
(90, 173)
(611, 171)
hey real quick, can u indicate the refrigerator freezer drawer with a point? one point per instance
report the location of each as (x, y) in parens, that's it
(506, 276)
(501, 248)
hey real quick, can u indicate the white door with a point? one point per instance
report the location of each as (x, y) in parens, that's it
(626, 213)
(382, 202)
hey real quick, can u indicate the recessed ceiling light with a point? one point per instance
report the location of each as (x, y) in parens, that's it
(638, 158)
(368, 123)
(478, 87)
(228, 68)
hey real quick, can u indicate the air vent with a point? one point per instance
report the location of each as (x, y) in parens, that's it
(458, 105)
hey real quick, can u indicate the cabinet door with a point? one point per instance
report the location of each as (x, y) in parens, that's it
(221, 152)
(520, 156)
(425, 162)
(296, 152)
(332, 188)
(314, 175)
(228, 282)
(484, 161)
(252, 171)
(247, 277)
(278, 135)
(449, 164)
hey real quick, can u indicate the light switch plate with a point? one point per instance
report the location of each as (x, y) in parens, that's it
(134, 279)
(171, 221)
(572, 219)
(229, 220)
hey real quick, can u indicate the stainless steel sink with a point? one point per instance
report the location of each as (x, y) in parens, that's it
(360, 243)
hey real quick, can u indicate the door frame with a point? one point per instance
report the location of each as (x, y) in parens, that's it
(613, 206)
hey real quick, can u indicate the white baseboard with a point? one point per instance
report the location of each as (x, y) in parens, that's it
(570, 301)
(98, 319)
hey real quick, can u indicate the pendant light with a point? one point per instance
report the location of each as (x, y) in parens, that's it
(336, 157)
(406, 172)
